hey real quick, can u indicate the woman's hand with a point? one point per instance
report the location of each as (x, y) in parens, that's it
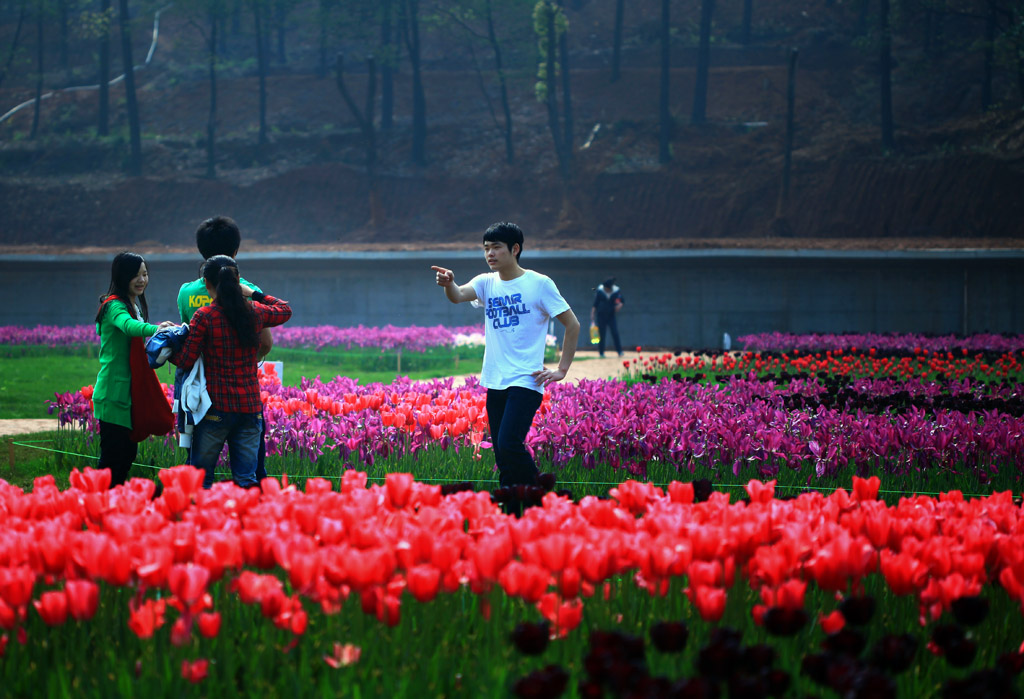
(247, 291)
(167, 324)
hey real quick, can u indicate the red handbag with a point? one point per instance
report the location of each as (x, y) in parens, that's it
(151, 414)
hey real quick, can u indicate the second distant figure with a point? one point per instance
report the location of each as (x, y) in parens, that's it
(606, 307)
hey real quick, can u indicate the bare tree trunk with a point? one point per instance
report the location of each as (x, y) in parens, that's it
(617, 41)
(664, 111)
(782, 209)
(492, 37)
(568, 140)
(885, 66)
(134, 130)
(419, 102)
(365, 119)
(211, 121)
(321, 69)
(103, 117)
(280, 15)
(387, 78)
(990, 43)
(22, 13)
(39, 72)
(748, 21)
(550, 99)
(261, 67)
(62, 17)
(700, 88)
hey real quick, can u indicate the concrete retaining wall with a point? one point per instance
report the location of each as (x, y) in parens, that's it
(673, 298)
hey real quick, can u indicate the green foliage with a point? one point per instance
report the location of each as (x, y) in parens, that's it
(93, 25)
(542, 13)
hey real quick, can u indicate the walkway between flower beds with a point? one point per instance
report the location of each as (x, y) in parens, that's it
(589, 366)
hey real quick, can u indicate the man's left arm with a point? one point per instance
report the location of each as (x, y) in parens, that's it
(572, 336)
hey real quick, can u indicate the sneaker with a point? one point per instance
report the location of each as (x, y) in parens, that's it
(601, 356)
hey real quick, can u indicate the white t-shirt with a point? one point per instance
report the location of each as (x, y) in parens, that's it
(515, 326)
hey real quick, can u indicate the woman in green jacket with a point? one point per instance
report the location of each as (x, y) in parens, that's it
(123, 314)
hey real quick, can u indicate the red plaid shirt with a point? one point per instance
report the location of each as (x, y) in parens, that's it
(230, 368)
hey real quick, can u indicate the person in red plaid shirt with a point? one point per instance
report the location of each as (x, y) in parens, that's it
(226, 334)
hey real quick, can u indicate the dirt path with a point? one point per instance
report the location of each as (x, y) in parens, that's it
(586, 366)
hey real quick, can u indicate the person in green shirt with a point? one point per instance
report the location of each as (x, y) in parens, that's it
(220, 235)
(122, 315)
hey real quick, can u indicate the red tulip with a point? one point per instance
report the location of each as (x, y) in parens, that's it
(866, 489)
(209, 624)
(681, 493)
(90, 480)
(52, 606)
(146, 618)
(9, 616)
(760, 492)
(16, 585)
(195, 671)
(833, 623)
(188, 582)
(424, 582)
(710, 602)
(83, 598)
(343, 656)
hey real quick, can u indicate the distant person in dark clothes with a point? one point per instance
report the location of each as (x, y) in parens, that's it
(606, 306)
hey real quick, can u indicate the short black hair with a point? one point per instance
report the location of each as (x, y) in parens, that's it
(218, 236)
(505, 232)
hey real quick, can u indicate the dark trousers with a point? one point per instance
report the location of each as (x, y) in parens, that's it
(117, 451)
(608, 323)
(510, 413)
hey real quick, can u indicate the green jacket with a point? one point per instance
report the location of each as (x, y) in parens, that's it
(112, 395)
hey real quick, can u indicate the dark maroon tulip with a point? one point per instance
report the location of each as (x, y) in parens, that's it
(669, 636)
(857, 610)
(530, 638)
(542, 684)
(758, 657)
(702, 489)
(961, 652)
(970, 610)
(944, 635)
(784, 621)
(694, 688)
(1011, 663)
(846, 641)
(894, 653)
(547, 481)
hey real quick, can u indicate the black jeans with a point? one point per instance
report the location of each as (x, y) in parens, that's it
(608, 323)
(117, 451)
(510, 413)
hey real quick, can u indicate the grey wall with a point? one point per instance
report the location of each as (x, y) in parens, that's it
(674, 298)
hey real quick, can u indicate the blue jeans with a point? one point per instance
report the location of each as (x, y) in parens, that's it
(605, 323)
(510, 413)
(242, 433)
(261, 469)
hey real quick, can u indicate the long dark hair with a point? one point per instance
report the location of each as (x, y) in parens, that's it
(125, 267)
(221, 272)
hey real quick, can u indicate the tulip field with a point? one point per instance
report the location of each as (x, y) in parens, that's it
(811, 515)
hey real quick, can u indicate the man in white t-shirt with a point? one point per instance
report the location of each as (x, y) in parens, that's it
(518, 303)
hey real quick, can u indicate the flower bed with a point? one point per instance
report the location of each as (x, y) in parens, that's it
(747, 424)
(412, 338)
(400, 590)
(881, 342)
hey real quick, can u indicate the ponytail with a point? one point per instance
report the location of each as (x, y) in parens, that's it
(221, 272)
